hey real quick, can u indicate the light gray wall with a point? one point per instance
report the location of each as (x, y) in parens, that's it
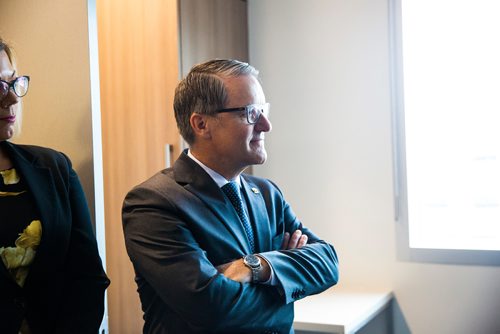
(325, 70)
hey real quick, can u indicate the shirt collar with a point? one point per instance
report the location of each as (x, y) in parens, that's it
(219, 179)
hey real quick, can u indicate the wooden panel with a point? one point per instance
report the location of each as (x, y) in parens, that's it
(138, 59)
(212, 29)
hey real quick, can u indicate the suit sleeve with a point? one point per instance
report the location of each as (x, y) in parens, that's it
(166, 254)
(85, 280)
(305, 271)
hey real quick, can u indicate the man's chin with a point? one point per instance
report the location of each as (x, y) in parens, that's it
(256, 156)
(260, 158)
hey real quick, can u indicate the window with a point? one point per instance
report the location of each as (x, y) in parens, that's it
(446, 103)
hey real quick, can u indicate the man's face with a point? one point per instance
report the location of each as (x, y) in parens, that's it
(236, 143)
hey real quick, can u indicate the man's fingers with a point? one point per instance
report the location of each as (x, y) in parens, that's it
(294, 239)
(302, 241)
(286, 239)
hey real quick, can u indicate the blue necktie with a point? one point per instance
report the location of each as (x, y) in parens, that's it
(232, 192)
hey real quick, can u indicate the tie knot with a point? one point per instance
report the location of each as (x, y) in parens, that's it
(231, 189)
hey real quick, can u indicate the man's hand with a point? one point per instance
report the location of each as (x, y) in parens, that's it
(297, 240)
(236, 270)
(239, 272)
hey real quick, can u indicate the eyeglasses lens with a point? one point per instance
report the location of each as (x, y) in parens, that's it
(21, 85)
(255, 111)
(253, 114)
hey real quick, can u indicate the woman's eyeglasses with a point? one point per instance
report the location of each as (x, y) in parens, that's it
(19, 86)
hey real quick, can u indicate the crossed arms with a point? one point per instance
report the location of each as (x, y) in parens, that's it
(183, 254)
(239, 272)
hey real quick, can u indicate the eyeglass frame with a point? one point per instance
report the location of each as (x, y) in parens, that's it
(262, 107)
(11, 85)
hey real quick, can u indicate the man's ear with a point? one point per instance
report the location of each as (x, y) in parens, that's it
(200, 125)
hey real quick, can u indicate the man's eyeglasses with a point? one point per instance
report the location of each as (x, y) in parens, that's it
(19, 86)
(253, 111)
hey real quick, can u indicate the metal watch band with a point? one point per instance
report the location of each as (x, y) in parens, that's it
(255, 274)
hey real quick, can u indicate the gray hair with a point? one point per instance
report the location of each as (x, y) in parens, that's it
(203, 91)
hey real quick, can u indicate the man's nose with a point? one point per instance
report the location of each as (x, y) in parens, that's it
(263, 124)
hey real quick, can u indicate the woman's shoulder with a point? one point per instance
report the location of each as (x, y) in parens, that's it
(35, 149)
(42, 155)
(38, 150)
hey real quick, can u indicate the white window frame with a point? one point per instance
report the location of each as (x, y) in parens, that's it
(405, 253)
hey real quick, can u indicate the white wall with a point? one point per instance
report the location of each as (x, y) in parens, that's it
(325, 70)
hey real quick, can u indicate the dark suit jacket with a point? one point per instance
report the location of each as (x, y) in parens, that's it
(64, 290)
(178, 226)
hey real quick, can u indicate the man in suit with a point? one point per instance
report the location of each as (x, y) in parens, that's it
(212, 260)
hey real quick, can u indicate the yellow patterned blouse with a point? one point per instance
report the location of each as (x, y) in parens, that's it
(20, 230)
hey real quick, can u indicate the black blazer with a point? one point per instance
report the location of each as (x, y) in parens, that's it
(64, 290)
(178, 226)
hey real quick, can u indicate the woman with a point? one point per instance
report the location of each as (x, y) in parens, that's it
(51, 275)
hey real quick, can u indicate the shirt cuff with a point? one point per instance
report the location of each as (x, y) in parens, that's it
(273, 281)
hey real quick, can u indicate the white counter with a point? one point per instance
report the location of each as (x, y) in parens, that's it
(339, 310)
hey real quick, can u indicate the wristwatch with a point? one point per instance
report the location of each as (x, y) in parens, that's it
(253, 262)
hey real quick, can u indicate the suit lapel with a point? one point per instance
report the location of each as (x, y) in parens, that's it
(40, 183)
(258, 215)
(200, 184)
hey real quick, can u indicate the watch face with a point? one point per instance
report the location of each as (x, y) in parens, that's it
(252, 260)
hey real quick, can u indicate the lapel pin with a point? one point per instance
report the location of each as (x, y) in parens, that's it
(255, 190)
